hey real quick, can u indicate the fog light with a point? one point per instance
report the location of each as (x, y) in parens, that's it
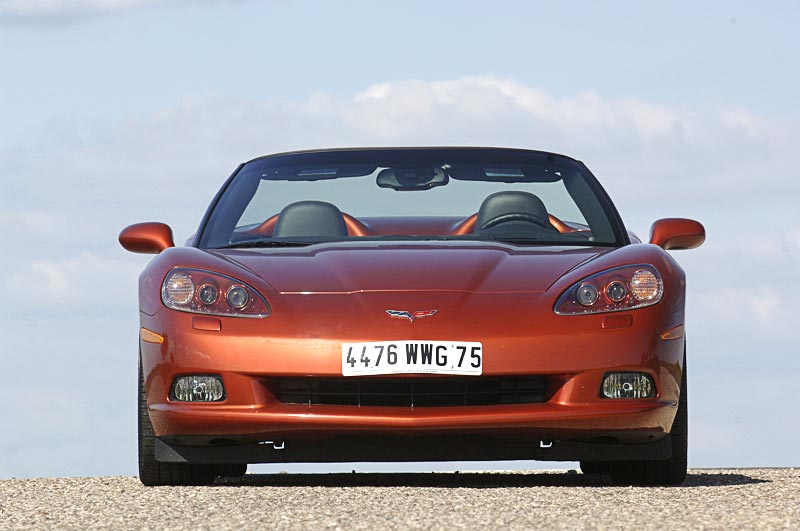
(198, 389)
(628, 385)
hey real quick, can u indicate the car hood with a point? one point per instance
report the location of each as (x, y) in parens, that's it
(449, 266)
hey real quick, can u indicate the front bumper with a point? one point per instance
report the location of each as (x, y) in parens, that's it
(628, 430)
(629, 421)
(573, 353)
(396, 449)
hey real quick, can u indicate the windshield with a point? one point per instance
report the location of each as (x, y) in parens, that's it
(514, 196)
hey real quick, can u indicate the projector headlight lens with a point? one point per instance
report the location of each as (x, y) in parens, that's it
(586, 294)
(237, 297)
(208, 294)
(616, 291)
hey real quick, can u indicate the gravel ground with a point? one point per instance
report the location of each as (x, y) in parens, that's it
(710, 499)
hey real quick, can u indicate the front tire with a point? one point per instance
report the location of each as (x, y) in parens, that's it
(595, 468)
(669, 472)
(152, 472)
(233, 471)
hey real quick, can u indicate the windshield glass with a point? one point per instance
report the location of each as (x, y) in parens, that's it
(516, 196)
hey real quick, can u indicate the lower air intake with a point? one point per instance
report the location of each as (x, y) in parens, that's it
(409, 392)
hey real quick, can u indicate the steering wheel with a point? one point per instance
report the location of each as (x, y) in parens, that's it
(515, 216)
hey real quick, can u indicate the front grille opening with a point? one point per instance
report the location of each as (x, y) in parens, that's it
(411, 392)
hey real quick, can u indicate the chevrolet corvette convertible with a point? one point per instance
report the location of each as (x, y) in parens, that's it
(412, 304)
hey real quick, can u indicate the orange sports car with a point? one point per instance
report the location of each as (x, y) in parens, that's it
(412, 304)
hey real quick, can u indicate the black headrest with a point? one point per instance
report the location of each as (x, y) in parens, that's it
(506, 203)
(310, 219)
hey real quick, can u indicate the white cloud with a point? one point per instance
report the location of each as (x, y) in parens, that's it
(653, 159)
(53, 8)
(756, 305)
(79, 282)
(35, 222)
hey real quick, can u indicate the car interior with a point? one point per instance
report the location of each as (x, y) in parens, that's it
(509, 212)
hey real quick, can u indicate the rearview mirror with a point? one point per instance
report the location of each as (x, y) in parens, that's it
(406, 179)
(677, 233)
(147, 238)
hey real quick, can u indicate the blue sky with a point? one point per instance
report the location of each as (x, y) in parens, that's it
(118, 111)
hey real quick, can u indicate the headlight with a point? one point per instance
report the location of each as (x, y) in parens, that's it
(206, 292)
(178, 288)
(646, 285)
(586, 294)
(614, 290)
(237, 297)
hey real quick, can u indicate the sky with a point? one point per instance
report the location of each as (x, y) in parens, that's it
(119, 111)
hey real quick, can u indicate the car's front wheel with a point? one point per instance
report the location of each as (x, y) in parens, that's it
(595, 468)
(153, 473)
(671, 471)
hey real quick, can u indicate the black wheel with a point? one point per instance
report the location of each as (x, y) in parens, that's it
(595, 468)
(669, 472)
(233, 471)
(151, 472)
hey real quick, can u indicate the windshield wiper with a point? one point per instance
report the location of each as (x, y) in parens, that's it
(517, 240)
(264, 243)
(527, 240)
(522, 240)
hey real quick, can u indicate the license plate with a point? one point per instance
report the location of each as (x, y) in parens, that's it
(414, 356)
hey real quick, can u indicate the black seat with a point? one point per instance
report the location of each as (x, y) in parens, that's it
(511, 207)
(310, 219)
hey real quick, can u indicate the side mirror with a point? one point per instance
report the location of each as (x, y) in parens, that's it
(147, 238)
(677, 233)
